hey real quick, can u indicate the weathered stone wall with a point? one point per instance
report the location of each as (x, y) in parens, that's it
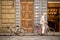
(7, 13)
(0, 12)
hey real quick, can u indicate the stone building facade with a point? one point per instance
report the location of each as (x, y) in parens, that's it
(23, 13)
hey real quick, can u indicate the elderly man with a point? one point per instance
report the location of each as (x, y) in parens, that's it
(43, 22)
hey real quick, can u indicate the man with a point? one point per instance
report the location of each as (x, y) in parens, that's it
(43, 22)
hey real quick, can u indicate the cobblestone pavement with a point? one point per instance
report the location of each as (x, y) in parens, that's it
(29, 37)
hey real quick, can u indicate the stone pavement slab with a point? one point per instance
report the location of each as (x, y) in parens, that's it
(29, 37)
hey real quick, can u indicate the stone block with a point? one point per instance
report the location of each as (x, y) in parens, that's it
(8, 20)
(8, 15)
(4, 21)
(0, 24)
(12, 21)
(7, 29)
(4, 30)
(7, 2)
(8, 7)
(8, 25)
(8, 11)
(0, 15)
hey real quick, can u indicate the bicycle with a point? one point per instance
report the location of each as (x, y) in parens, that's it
(17, 31)
(51, 30)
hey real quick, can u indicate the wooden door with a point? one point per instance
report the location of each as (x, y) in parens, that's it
(27, 16)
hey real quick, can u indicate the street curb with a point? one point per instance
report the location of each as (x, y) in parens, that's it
(29, 34)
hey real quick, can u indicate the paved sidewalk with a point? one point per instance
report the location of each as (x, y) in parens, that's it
(29, 37)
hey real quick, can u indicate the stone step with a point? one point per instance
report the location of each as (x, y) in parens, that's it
(29, 34)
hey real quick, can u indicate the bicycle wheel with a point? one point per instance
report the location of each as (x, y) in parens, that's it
(22, 31)
(51, 31)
